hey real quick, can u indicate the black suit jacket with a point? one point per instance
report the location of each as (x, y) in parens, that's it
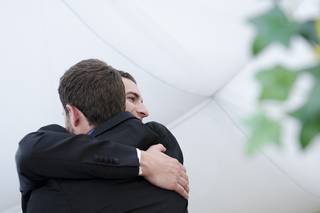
(61, 172)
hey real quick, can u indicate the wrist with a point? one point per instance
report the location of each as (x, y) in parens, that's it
(143, 163)
(139, 158)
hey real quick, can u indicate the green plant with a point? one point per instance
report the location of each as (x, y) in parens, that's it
(276, 82)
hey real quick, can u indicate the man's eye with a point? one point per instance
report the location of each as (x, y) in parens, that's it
(131, 99)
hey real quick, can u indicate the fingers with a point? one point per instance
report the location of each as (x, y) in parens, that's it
(183, 174)
(182, 182)
(184, 169)
(157, 147)
(169, 173)
(180, 190)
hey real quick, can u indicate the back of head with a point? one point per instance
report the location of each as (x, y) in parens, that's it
(95, 88)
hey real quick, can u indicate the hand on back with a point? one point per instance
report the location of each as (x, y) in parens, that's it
(164, 171)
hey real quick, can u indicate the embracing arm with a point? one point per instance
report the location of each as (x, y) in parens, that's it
(175, 178)
(52, 152)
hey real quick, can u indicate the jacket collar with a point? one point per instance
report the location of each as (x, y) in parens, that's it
(112, 122)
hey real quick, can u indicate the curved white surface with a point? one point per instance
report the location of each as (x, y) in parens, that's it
(191, 61)
(300, 167)
(223, 179)
(183, 40)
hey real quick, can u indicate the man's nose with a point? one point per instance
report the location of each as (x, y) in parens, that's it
(142, 111)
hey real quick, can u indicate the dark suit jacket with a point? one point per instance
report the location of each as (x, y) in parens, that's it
(61, 172)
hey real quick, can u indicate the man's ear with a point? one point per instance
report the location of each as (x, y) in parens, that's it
(74, 115)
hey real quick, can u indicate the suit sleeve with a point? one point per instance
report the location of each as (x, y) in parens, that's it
(167, 139)
(49, 153)
(52, 152)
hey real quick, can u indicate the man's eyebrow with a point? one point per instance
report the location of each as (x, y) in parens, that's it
(133, 93)
(136, 95)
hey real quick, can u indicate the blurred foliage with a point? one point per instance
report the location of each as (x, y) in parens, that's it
(276, 82)
(273, 26)
(266, 131)
(309, 117)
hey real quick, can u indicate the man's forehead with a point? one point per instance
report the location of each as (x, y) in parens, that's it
(130, 86)
(132, 89)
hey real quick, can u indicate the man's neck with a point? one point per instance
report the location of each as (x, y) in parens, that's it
(84, 128)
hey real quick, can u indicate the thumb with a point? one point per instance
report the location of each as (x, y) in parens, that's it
(158, 147)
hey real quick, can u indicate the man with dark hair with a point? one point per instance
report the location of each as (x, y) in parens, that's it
(135, 105)
(101, 86)
(63, 172)
(134, 100)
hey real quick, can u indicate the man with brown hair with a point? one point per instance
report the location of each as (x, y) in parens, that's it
(63, 172)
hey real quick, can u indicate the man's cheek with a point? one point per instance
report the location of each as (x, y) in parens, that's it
(129, 107)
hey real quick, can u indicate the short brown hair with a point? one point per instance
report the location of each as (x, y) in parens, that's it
(127, 76)
(95, 88)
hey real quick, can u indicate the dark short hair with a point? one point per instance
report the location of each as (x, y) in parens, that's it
(127, 76)
(95, 88)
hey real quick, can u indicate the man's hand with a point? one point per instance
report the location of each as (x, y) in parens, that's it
(164, 171)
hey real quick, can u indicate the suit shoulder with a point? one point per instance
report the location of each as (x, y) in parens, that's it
(53, 128)
(161, 130)
(157, 127)
(167, 139)
(49, 129)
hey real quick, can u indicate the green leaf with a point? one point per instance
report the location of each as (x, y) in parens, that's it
(314, 71)
(309, 117)
(273, 26)
(258, 45)
(263, 131)
(276, 83)
(308, 31)
(308, 132)
(311, 108)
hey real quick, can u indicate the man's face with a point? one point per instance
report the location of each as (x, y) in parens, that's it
(134, 101)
